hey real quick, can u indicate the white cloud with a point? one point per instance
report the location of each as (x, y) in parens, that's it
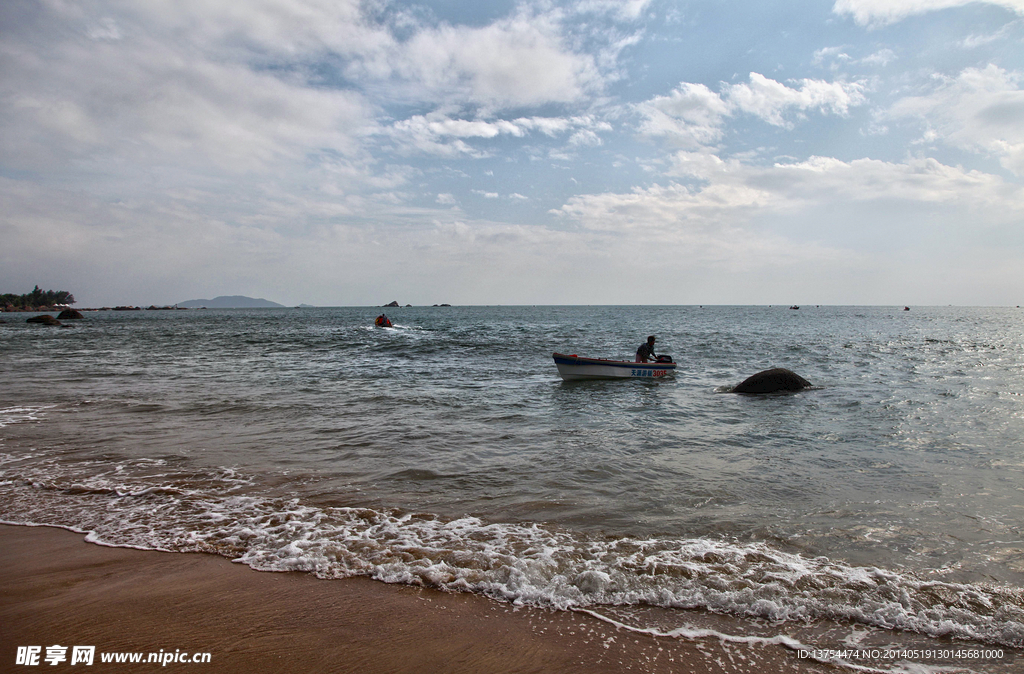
(693, 116)
(831, 53)
(104, 29)
(973, 41)
(549, 126)
(980, 110)
(212, 82)
(920, 181)
(769, 99)
(837, 57)
(439, 134)
(706, 231)
(585, 138)
(117, 91)
(277, 28)
(734, 194)
(517, 61)
(169, 254)
(882, 57)
(624, 9)
(258, 145)
(826, 180)
(821, 227)
(222, 114)
(428, 131)
(884, 12)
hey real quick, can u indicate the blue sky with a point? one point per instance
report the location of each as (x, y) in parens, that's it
(336, 152)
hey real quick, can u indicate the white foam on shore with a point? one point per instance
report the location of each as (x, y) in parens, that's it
(128, 505)
(21, 414)
(698, 634)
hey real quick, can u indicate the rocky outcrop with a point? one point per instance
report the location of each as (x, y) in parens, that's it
(70, 313)
(45, 319)
(771, 381)
(29, 308)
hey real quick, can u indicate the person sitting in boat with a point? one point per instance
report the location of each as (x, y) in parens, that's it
(383, 321)
(646, 351)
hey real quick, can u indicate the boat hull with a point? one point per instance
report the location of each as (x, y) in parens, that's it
(574, 368)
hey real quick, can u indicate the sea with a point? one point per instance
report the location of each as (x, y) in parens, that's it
(875, 520)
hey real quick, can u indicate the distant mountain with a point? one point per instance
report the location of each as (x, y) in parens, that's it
(231, 302)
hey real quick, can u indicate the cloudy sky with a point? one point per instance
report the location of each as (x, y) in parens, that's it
(347, 152)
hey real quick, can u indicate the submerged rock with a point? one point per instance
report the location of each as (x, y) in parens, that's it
(45, 319)
(770, 381)
(70, 313)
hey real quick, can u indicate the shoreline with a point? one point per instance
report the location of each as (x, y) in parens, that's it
(58, 589)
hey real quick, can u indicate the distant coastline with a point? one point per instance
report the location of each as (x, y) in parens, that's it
(230, 302)
(49, 301)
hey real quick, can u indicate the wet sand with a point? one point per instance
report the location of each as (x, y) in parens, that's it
(57, 589)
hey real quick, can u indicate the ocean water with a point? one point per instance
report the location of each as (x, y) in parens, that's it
(882, 508)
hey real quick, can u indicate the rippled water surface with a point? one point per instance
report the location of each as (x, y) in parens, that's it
(447, 451)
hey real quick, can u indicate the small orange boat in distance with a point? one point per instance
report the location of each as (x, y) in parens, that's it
(382, 321)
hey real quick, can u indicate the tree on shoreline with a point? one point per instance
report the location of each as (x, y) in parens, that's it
(37, 300)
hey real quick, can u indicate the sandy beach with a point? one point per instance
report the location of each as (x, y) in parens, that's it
(57, 589)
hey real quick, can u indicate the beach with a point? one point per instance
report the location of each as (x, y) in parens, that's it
(275, 487)
(59, 589)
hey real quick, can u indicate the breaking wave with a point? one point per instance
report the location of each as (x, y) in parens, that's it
(527, 564)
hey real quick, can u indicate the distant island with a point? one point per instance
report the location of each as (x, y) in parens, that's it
(231, 302)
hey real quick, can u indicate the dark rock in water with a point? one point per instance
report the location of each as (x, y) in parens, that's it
(70, 313)
(392, 304)
(770, 381)
(45, 319)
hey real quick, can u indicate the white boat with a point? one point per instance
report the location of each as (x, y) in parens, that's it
(575, 367)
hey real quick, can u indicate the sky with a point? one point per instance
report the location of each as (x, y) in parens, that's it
(355, 152)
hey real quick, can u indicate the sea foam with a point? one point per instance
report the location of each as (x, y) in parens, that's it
(526, 564)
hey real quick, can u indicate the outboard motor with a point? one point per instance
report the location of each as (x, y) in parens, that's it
(663, 359)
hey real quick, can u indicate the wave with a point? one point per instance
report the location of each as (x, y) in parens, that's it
(21, 414)
(525, 564)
